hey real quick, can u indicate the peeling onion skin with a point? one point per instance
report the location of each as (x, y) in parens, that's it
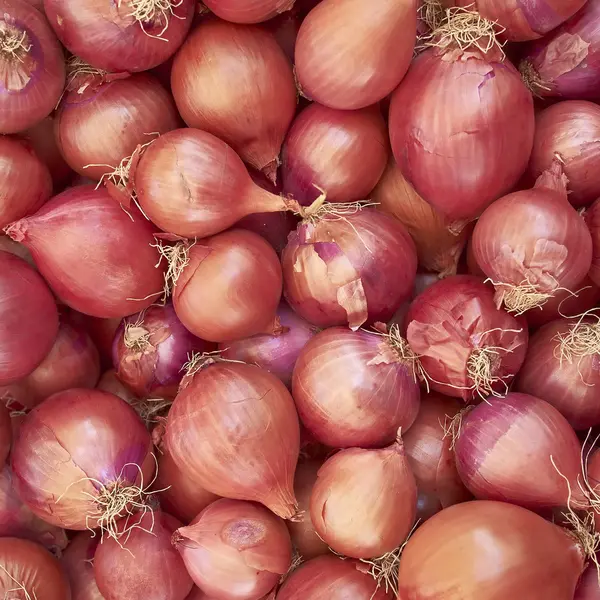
(244, 11)
(350, 55)
(77, 562)
(465, 119)
(487, 551)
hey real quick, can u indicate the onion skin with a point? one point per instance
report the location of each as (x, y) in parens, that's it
(5, 433)
(225, 72)
(85, 222)
(592, 219)
(103, 123)
(28, 318)
(487, 551)
(77, 562)
(12, 247)
(242, 11)
(235, 550)
(588, 587)
(343, 153)
(109, 382)
(350, 55)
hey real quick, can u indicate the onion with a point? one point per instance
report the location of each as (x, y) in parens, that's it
(504, 440)
(242, 425)
(82, 459)
(102, 332)
(438, 247)
(276, 352)
(25, 180)
(490, 550)
(235, 550)
(350, 54)
(229, 286)
(356, 388)
(28, 571)
(185, 182)
(588, 587)
(5, 433)
(28, 319)
(570, 130)
(121, 36)
(341, 153)
(8, 245)
(275, 227)
(100, 124)
(94, 256)
(461, 123)
(109, 382)
(592, 218)
(338, 263)
(32, 64)
(242, 11)
(78, 563)
(468, 348)
(226, 72)
(531, 243)
(144, 566)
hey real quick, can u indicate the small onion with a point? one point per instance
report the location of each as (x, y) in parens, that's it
(356, 388)
(350, 54)
(235, 550)
(242, 11)
(592, 218)
(78, 563)
(234, 430)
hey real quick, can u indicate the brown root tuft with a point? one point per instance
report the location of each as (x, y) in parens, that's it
(583, 339)
(178, 258)
(532, 80)
(481, 368)
(154, 13)
(14, 43)
(432, 13)
(453, 425)
(136, 337)
(405, 353)
(518, 299)
(19, 589)
(151, 410)
(320, 208)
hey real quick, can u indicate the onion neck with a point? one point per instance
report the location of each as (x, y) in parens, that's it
(554, 178)
(261, 201)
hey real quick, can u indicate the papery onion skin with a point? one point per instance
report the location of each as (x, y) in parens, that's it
(379, 486)
(242, 11)
(233, 455)
(353, 389)
(223, 73)
(490, 550)
(98, 126)
(5, 433)
(450, 326)
(340, 153)
(592, 218)
(337, 271)
(350, 55)
(109, 37)
(94, 257)
(34, 73)
(235, 550)
(101, 437)
(28, 319)
(491, 468)
(77, 561)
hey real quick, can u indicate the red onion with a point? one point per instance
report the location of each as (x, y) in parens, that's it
(226, 72)
(102, 332)
(24, 178)
(28, 571)
(592, 218)
(100, 124)
(121, 36)
(32, 64)
(144, 566)
(235, 550)
(81, 236)
(81, 458)
(588, 587)
(8, 245)
(350, 54)
(490, 551)
(337, 266)
(109, 382)
(245, 435)
(229, 286)
(461, 125)
(503, 441)
(468, 348)
(185, 182)
(341, 153)
(77, 561)
(275, 227)
(28, 319)
(570, 131)
(5, 433)
(242, 11)
(356, 388)
(531, 243)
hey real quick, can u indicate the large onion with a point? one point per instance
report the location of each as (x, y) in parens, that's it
(78, 563)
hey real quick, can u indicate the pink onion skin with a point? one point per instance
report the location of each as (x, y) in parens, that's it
(588, 587)
(28, 319)
(225, 72)
(236, 457)
(103, 123)
(278, 352)
(454, 318)
(570, 129)
(235, 550)
(12, 247)
(99, 434)
(350, 55)
(242, 11)
(77, 562)
(5, 432)
(143, 566)
(491, 469)
(341, 152)
(85, 222)
(107, 36)
(337, 271)
(353, 390)
(24, 178)
(592, 218)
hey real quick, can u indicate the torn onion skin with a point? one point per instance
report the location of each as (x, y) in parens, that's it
(592, 218)
(78, 563)
(242, 11)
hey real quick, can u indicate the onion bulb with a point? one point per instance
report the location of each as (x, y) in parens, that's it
(241, 11)
(592, 218)
(78, 563)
